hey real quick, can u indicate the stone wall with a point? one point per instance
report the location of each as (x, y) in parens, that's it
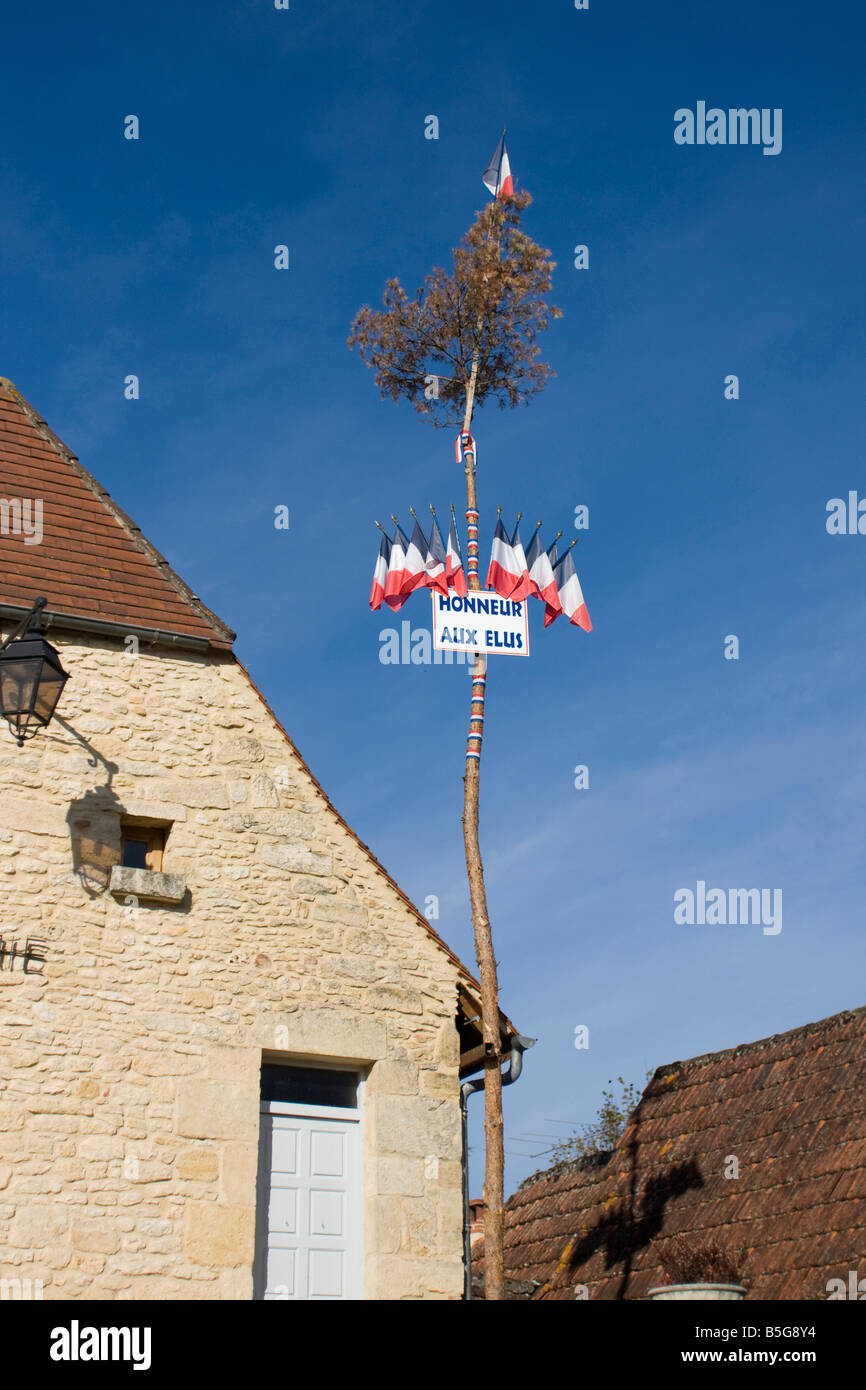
(129, 1057)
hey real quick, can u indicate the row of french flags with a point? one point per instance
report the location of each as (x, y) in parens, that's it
(420, 563)
(402, 566)
(537, 573)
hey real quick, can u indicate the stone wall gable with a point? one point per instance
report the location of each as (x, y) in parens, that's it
(268, 866)
(271, 868)
(349, 836)
(365, 935)
(94, 563)
(130, 1055)
(129, 1066)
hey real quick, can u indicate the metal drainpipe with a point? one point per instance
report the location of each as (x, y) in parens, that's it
(519, 1045)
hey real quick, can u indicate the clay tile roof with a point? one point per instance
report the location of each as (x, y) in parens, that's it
(791, 1108)
(92, 562)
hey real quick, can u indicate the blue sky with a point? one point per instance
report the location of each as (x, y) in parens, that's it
(707, 516)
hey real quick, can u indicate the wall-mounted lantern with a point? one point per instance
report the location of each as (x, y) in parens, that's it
(31, 676)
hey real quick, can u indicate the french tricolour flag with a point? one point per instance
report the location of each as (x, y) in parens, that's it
(416, 560)
(497, 176)
(435, 563)
(550, 594)
(503, 574)
(570, 593)
(395, 583)
(380, 573)
(523, 587)
(454, 564)
(541, 581)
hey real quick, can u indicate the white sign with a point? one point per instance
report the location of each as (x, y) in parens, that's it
(480, 622)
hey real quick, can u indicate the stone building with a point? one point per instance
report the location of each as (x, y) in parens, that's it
(230, 1047)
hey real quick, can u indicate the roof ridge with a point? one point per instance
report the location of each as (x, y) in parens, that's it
(134, 532)
(831, 1021)
(598, 1161)
(677, 1068)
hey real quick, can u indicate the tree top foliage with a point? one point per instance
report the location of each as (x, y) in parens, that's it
(488, 311)
(612, 1119)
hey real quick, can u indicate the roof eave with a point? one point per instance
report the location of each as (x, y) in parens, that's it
(224, 636)
(76, 622)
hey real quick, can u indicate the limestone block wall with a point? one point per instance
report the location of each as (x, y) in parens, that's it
(130, 1055)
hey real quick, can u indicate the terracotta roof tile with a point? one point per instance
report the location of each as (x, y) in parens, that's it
(791, 1108)
(92, 561)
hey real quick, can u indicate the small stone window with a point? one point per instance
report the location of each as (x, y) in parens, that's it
(142, 846)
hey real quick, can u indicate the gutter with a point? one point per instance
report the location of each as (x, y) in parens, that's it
(519, 1045)
(73, 622)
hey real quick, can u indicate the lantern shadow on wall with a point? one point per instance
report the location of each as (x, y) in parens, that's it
(94, 824)
(94, 833)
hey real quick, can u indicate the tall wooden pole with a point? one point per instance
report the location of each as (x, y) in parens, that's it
(494, 1161)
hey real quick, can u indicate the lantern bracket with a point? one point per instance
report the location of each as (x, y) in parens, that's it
(31, 622)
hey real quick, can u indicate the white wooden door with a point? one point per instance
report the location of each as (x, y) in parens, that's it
(309, 1241)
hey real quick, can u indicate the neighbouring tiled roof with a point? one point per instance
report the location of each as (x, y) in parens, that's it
(791, 1109)
(93, 562)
